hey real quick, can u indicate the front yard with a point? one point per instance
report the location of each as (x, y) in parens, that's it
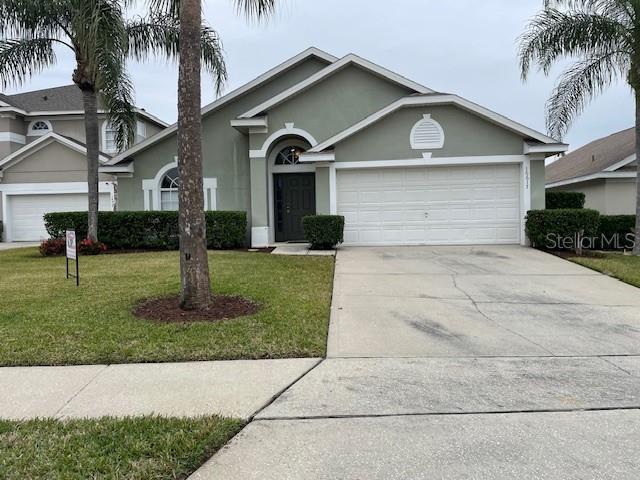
(135, 449)
(47, 320)
(623, 267)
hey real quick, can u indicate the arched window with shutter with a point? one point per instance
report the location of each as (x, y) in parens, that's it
(427, 134)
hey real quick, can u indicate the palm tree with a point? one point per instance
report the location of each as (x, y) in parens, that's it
(195, 291)
(604, 37)
(101, 39)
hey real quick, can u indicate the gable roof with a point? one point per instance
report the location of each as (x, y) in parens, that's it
(601, 156)
(343, 63)
(225, 99)
(42, 142)
(439, 99)
(58, 100)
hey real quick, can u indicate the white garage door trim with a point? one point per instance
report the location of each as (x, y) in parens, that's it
(18, 189)
(515, 206)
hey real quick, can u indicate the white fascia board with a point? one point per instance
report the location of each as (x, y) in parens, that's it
(318, 157)
(12, 109)
(18, 155)
(595, 176)
(444, 99)
(153, 118)
(229, 97)
(622, 163)
(550, 148)
(350, 59)
(245, 123)
(52, 188)
(117, 168)
(428, 161)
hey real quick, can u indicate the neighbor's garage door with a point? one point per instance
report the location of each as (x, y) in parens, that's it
(431, 205)
(26, 212)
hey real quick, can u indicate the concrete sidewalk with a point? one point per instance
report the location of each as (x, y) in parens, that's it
(236, 389)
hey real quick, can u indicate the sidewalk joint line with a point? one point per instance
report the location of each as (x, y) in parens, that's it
(443, 414)
(272, 400)
(75, 395)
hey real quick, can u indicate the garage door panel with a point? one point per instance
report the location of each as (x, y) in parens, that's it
(477, 204)
(26, 212)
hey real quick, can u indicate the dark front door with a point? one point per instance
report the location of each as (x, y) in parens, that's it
(295, 198)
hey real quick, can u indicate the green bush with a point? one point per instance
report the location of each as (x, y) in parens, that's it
(558, 229)
(323, 232)
(149, 230)
(616, 232)
(565, 200)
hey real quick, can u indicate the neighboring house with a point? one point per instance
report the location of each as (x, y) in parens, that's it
(43, 165)
(321, 135)
(604, 170)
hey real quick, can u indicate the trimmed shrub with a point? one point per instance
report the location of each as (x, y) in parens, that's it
(323, 232)
(149, 230)
(53, 247)
(616, 232)
(558, 229)
(565, 200)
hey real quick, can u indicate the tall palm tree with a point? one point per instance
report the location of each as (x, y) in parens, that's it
(604, 37)
(195, 284)
(101, 39)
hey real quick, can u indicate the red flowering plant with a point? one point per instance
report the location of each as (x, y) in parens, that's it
(89, 247)
(53, 247)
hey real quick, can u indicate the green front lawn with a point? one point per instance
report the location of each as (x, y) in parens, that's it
(47, 320)
(623, 267)
(135, 449)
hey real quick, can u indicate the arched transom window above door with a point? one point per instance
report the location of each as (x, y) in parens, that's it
(169, 190)
(289, 155)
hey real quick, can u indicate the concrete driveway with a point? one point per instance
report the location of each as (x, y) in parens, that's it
(459, 363)
(477, 301)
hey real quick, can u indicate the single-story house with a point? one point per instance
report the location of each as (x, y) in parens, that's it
(604, 170)
(404, 164)
(43, 164)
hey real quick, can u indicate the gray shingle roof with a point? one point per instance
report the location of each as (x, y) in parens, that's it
(594, 157)
(58, 99)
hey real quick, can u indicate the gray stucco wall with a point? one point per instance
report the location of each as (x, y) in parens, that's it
(53, 163)
(323, 206)
(465, 134)
(336, 103)
(537, 176)
(225, 150)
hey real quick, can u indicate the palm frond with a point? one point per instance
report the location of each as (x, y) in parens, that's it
(34, 18)
(578, 85)
(553, 34)
(256, 9)
(159, 35)
(21, 59)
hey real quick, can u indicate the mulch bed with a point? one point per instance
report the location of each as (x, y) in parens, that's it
(167, 310)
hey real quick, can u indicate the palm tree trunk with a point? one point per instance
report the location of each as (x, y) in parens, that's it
(636, 247)
(93, 147)
(194, 265)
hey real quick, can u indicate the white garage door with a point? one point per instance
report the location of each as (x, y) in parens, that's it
(25, 212)
(431, 205)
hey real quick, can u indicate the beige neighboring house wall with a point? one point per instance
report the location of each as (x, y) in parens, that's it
(604, 170)
(609, 196)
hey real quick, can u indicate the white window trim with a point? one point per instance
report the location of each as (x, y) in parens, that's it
(105, 125)
(152, 190)
(427, 146)
(39, 133)
(141, 129)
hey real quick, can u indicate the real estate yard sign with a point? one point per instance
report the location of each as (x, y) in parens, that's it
(72, 254)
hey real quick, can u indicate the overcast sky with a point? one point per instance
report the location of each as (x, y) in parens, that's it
(467, 47)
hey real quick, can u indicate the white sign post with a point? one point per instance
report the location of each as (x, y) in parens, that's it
(72, 254)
